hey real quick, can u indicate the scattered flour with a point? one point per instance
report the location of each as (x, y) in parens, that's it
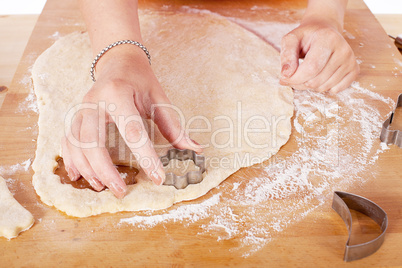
(398, 61)
(55, 36)
(10, 170)
(349, 35)
(191, 213)
(26, 164)
(29, 104)
(329, 156)
(384, 146)
(26, 80)
(371, 94)
(235, 186)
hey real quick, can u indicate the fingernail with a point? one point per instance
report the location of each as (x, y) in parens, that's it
(70, 175)
(95, 183)
(196, 146)
(117, 188)
(73, 174)
(195, 142)
(158, 177)
(285, 70)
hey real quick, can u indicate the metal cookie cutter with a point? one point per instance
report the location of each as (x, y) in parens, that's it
(390, 136)
(342, 203)
(191, 177)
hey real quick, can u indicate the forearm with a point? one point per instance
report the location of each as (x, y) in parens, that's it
(109, 21)
(330, 11)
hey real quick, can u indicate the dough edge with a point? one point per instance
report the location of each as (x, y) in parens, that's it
(84, 203)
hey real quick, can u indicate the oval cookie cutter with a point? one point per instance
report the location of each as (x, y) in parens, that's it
(191, 177)
(392, 136)
(342, 203)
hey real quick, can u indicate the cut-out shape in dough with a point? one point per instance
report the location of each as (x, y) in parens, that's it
(127, 173)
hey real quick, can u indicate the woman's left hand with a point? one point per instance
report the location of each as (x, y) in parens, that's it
(329, 62)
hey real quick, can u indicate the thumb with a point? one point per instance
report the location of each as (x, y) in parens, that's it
(290, 50)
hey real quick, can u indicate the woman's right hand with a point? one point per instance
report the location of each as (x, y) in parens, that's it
(129, 91)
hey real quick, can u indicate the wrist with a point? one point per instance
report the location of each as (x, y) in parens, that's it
(319, 20)
(328, 12)
(121, 56)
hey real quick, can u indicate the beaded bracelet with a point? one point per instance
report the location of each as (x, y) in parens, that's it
(113, 45)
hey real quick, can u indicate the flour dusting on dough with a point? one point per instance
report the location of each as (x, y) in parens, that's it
(291, 188)
(215, 73)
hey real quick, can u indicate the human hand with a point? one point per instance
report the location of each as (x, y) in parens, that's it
(329, 62)
(128, 91)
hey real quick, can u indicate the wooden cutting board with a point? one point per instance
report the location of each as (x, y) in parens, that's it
(318, 239)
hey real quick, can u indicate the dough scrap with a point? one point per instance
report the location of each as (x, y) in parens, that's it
(14, 218)
(209, 67)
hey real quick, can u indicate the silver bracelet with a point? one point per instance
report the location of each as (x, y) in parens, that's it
(113, 45)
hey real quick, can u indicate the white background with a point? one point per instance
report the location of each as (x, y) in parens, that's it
(36, 6)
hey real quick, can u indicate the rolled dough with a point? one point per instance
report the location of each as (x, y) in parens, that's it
(224, 79)
(14, 218)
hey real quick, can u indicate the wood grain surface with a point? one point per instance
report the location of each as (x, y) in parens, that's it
(317, 240)
(14, 35)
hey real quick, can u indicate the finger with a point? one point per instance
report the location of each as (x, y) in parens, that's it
(320, 82)
(334, 80)
(290, 50)
(167, 117)
(344, 84)
(336, 77)
(347, 66)
(132, 129)
(77, 156)
(85, 168)
(92, 136)
(69, 166)
(314, 62)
